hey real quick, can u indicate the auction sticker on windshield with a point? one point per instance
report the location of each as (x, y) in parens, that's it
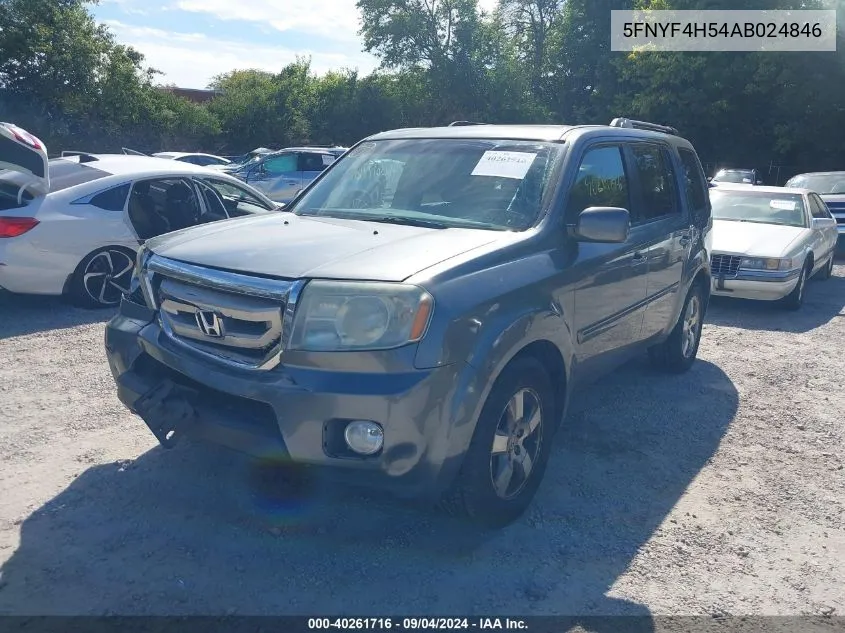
(786, 205)
(504, 164)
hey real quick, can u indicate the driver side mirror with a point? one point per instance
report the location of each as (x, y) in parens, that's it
(823, 223)
(609, 225)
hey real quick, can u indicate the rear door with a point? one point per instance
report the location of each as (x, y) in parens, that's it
(666, 227)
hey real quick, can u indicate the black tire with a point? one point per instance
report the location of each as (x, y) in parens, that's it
(827, 270)
(678, 352)
(795, 299)
(473, 494)
(110, 267)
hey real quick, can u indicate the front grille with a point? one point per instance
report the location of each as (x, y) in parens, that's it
(724, 265)
(230, 317)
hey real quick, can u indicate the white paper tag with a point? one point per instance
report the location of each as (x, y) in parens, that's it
(504, 164)
(327, 160)
(786, 205)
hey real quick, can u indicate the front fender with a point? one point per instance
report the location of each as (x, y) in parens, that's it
(495, 344)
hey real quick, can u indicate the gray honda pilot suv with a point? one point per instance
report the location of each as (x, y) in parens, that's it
(419, 317)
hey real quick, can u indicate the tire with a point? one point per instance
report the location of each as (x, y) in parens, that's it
(102, 277)
(678, 352)
(826, 272)
(795, 299)
(474, 493)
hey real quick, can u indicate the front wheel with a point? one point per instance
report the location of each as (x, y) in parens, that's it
(103, 277)
(795, 299)
(678, 352)
(506, 459)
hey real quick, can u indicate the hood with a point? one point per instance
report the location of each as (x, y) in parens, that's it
(753, 239)
(22, 152)
(290, 246)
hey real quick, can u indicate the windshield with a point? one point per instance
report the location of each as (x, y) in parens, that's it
(739, 176)
(820, 183)
(766, 208)
(492, 184)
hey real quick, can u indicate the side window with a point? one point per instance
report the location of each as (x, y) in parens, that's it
(313, 162)
(113, 199)
(695, 184)
(601, 182)
(818, 208)
(659, 197)
(281, 164)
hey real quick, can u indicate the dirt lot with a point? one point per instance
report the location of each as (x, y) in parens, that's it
(720, 491)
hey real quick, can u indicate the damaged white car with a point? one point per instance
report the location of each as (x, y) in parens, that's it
(768, 241)
(72, 225)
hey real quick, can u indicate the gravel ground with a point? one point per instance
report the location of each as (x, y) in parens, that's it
(720, 491)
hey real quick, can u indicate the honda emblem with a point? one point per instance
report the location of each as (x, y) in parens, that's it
(210, 323)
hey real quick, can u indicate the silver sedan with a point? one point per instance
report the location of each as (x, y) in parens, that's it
(768, 241)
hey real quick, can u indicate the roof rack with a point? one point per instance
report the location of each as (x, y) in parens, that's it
(642, 125)
(84, 157)
(460, 123)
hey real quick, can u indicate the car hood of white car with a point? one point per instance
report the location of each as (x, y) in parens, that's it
(753, 239)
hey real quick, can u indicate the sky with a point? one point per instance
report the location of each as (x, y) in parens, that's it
(191, 41)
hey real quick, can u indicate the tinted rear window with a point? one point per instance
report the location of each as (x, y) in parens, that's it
(65, 173)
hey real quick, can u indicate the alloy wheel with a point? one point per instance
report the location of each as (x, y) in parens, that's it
(107, 277)
(516, 443)
(691, 326)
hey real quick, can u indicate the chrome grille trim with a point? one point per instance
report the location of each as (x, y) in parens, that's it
(257, 313)
(724, 265)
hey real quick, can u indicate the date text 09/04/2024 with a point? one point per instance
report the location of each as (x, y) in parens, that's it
(414, 624)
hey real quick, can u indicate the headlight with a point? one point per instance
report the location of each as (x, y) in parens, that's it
(340, 316)
(766, 263)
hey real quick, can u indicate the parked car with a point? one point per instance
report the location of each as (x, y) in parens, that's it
(830, 185)
(739, 176)
(203, 160)
(428, 341)
(72, 225)
(768, 241)
(283, 174)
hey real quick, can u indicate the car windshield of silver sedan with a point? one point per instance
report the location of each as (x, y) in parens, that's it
(735, 175)
(760, 207)
(820, 183)
(438, 183)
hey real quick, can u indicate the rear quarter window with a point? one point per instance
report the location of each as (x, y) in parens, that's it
(113, 199)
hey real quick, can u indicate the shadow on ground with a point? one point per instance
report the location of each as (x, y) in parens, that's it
(195, 530)
(823, 301)
(28, 314)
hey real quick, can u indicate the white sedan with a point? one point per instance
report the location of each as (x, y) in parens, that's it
(768, 241)
(73, 225)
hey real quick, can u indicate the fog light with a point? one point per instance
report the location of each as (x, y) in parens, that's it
(365, 438)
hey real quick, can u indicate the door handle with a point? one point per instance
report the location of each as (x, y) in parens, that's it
(685, 240)
(292, 182)
(639, 256)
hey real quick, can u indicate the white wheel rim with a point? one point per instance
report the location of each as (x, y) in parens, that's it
(691, 326)
(106, 277)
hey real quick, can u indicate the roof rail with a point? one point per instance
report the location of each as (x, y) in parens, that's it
(84, 157)
(460, 123)
(132, 152)
(643, 125)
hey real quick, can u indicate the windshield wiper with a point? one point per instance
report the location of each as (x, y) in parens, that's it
(393, 219)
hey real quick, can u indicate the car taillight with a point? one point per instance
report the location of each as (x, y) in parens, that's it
(13, 226)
